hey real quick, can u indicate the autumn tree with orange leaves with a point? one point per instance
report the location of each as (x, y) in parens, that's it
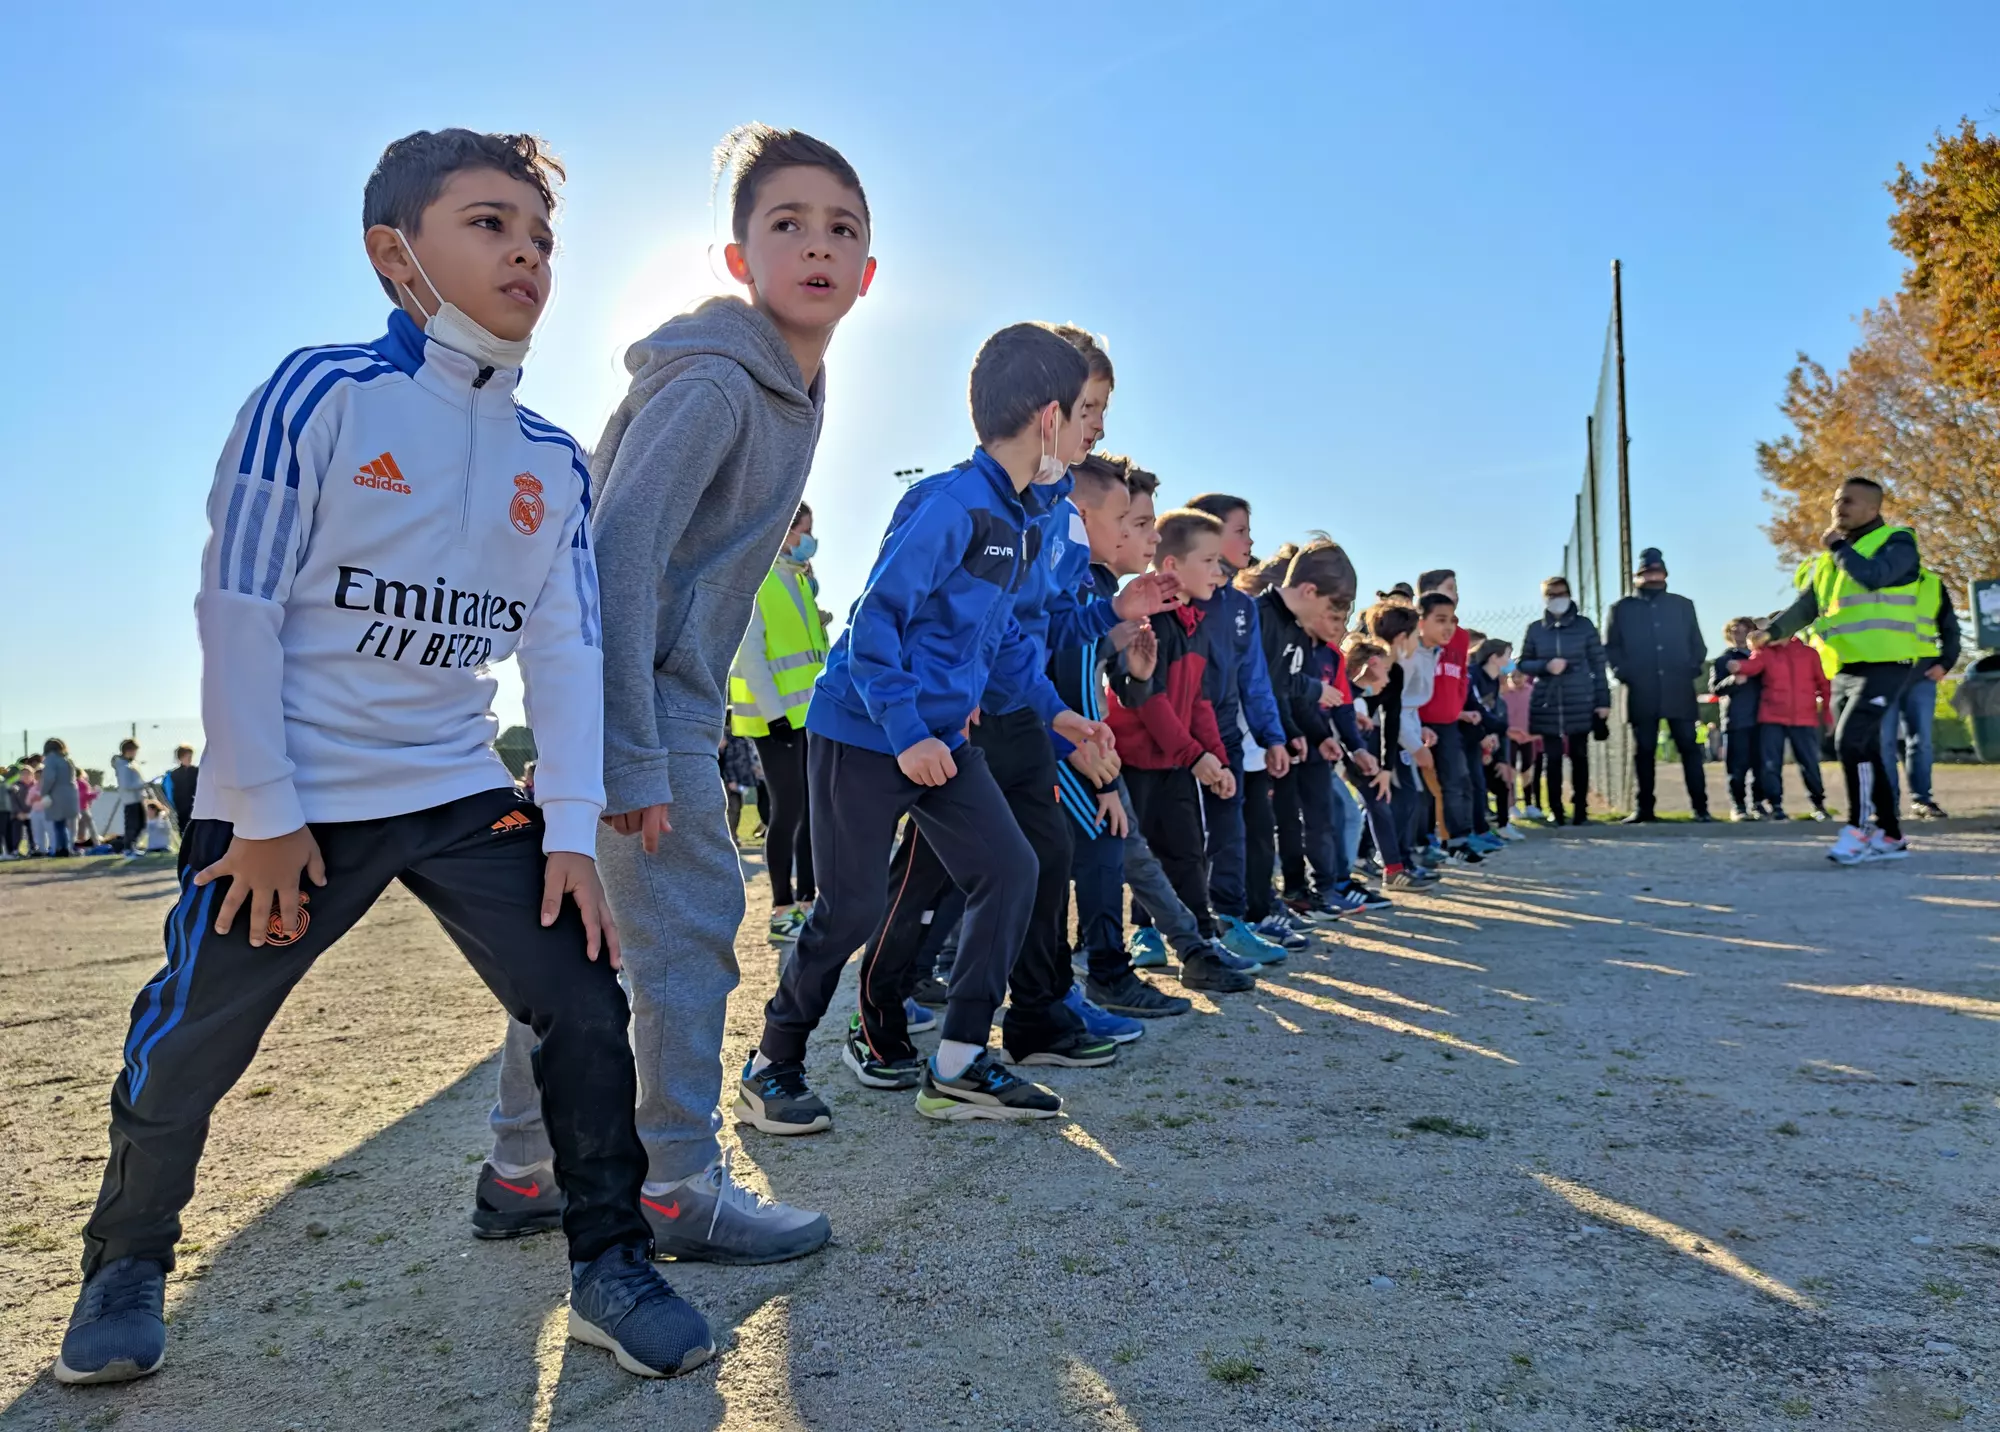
(1917, 406)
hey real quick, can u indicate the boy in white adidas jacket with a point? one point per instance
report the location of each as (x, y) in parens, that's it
(385, 522)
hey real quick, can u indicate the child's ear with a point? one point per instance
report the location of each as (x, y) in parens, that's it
(867, 277)
(738, 266)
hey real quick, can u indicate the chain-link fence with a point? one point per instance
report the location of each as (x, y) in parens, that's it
(1597, 558)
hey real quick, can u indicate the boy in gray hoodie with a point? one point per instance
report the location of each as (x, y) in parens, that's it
(698, 476)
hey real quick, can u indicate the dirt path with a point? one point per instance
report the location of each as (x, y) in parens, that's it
(1669, 1129)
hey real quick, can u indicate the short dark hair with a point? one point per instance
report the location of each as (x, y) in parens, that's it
(1360, 651)
(1431, 601)
(1260, 577)
(1434, 580)
(1219, 505)
(128, 744)
(1473, 635)
(1386, 621)
(749, 152)
(412, 172)
(183, 750)
(1490, 648)
(1091, 346)
(1180, 528)
(1096, 476)
(1019, 371)
(1324, 563)
(1142, 482)
(1859, 481)
(805, 511)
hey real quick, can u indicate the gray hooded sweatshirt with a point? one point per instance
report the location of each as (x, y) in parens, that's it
(698, 477)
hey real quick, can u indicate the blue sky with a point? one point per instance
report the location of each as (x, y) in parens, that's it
(1351, 263)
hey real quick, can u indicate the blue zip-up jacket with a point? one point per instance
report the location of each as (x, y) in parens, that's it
(1054, 604)
(1238, 678)
(934, 630)
(1079, 674)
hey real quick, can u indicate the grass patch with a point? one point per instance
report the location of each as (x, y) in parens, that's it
(1795, 1407)
(29, 1238)
(262, 1091)
(1439, 1124)
(312, 1178)
(1177, 1121)
(1943, 1289)
(352, 1285)
(1788, 1129)
(1236, 1371)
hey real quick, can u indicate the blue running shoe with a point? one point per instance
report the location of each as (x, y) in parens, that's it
(1217, 953)
(1149, 949)
(1278, 930)
(619, 1302)
(1101, 1023)
(1246, 944)
(119, 1329)
(918, 1018)
(1485, 842)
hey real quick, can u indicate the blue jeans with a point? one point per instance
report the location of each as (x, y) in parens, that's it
(1913, 718)
(1348, 819)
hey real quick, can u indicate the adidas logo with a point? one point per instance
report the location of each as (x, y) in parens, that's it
(513, 820)
(383, 474)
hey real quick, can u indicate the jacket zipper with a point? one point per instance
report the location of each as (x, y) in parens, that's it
(471, 437)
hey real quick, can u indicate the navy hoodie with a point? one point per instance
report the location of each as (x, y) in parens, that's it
(1238, 678)
(934, 630)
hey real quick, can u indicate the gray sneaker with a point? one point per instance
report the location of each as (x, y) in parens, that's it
(711, 1218)
(779, 1101)
(513, 1207)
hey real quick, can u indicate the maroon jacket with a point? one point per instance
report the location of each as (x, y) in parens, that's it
(1175, 725)
(1795, 686)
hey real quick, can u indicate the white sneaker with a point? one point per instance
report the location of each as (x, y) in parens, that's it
(1881, 847)
(1511, 832)
(1851, 848)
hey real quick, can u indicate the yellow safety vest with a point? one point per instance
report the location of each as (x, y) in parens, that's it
(1930, 601)
(1857, 623)
(794, 653)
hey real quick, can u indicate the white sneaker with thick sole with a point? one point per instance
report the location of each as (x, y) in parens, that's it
(1850, 848)
(1881, 847)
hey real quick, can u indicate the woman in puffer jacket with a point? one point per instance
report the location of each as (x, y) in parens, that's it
(1572, 693)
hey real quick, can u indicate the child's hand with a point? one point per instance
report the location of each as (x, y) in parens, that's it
(928, 763)
(1225, 785)
(1098, 766)
(1207, 770)
(1146, 594)
(1111, 815)
(1143, 654)
(1520, 738)
(1367, 762)
(1081, 731)
(1329, 749)
(1470, 718)
(266, 874)
(1489, 744)
(576, 876)
(1557, 666)
(1298, 749)
(1430, 738)
(1277, 761)
(648, 823)
(1364, 720)
(1329, 696)
(1381, 780)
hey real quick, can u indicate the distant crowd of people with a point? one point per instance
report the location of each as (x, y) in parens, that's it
(53, 810)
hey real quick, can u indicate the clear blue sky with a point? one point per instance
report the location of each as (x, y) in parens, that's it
(1352, 263)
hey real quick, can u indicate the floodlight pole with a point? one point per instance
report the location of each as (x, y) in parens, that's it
(1624, 437)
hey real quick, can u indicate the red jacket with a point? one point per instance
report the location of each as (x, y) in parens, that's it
(1448, 694)
(1795, 688)
(1175, 726)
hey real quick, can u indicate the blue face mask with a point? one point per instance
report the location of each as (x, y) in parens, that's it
(802, 550)
(1507, 668)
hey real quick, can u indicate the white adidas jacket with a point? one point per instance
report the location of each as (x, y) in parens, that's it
(385, 523)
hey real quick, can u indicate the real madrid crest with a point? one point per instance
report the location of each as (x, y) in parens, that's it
(526, 510)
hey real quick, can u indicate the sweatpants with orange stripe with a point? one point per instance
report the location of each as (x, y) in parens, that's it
(858, 799)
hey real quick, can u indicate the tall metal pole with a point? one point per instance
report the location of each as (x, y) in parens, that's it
(1587, 600)
(1624, 437)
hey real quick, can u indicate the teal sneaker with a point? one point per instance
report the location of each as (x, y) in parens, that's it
(1246, 944)
(1148, 948)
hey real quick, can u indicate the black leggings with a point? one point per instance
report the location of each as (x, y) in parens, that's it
(1578, 745)
(788, 822)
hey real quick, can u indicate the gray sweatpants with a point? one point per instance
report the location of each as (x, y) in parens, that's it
(677, 915)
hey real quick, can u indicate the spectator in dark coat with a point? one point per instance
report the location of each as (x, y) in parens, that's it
(1571, 694)
(1653, 641)
(1739, 693)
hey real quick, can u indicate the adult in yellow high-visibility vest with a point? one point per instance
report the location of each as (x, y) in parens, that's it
(1906, 730)
(1860, 598)
(770, 689)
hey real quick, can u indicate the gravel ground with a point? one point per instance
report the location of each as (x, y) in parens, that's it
(1674, 1128)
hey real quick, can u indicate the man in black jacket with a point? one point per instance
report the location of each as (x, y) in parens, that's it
(1652, 641)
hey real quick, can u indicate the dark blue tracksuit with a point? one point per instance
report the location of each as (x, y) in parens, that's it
(1238, 684)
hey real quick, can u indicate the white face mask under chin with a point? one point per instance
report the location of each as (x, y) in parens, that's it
(450, 326)
(1559, 605)
(1051, 468)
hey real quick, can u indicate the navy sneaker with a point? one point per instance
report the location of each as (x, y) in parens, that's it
(511, 1207)
(1370, 899)
(1278, 930)
(879, 1069)
(1204, 970)
(778, 1100)
(983, 1091)
(932, 992)
(619, 1302)
(1101, 1023)
(1148, 947)
(1466, 855)
(1067, 1048)
(118, 1330)
(1128, 994)
(917, 1018)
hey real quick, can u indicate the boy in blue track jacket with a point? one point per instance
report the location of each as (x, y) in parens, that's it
(385, 522)
(933, 633)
